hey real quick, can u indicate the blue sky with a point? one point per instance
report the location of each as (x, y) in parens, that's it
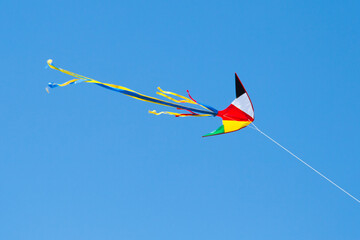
(86, 163)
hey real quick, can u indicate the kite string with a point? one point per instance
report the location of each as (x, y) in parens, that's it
(306, 164)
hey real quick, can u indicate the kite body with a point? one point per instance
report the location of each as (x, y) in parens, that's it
(238, 115)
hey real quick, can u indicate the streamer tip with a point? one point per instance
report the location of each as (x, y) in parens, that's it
(49, 61)
(153, 112)
(52, 85)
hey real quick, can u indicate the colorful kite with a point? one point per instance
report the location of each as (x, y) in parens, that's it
(238, 115)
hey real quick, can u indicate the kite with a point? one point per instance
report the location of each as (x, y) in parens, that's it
(238, 115)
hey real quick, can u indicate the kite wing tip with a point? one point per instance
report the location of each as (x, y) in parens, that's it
(49, 61)
(218, 131)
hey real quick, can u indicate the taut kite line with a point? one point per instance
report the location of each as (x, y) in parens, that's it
(238, 115)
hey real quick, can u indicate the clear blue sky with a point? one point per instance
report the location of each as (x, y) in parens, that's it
(87, 163)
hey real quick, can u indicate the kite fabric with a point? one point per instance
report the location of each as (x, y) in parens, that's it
(238, 115)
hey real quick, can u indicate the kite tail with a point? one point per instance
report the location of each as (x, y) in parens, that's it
(179, 114)
(183, 100)
(205, 112)
(79, 79)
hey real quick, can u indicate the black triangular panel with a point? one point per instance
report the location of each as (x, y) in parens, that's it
(240, 90)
